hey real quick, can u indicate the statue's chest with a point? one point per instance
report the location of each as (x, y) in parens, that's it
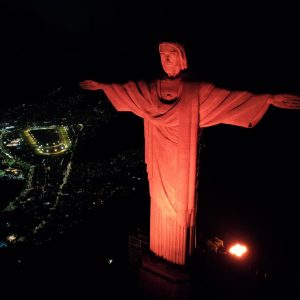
(169, 89)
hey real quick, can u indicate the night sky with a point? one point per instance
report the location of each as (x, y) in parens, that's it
(249, 177)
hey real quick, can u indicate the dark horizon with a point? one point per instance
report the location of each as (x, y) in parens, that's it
(240, 48)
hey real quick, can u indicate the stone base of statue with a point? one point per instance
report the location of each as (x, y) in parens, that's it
(159, 279)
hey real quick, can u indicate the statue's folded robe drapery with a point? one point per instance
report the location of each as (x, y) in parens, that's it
(171, 140)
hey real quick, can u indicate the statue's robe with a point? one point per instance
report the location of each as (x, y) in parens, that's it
(172, 131)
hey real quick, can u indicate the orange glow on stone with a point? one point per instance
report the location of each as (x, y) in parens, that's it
(175, 109)
(238, 250)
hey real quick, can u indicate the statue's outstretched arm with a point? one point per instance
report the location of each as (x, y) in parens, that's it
(285, 101)
(91, 85)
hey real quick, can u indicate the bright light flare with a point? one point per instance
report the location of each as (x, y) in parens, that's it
(238, 250)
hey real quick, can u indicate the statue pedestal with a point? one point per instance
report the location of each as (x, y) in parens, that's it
(159, 279)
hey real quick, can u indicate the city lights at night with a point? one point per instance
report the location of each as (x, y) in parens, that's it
(57, 147)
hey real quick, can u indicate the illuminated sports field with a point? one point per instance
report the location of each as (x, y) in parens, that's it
(50, 140)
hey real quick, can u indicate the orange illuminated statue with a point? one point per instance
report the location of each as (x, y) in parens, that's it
(174, 111)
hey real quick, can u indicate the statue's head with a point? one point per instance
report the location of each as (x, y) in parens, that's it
(173, 58)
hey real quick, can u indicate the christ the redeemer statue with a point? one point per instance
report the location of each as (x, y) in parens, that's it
(174, 111)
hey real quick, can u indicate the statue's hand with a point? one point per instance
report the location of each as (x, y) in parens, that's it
(286, 101)
(90, 85)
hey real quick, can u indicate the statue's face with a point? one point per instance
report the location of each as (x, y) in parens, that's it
(170, 59)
